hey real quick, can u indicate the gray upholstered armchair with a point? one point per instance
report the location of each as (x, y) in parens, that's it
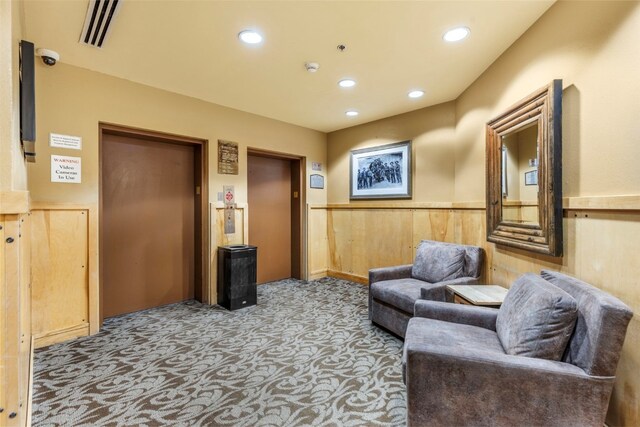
(394, 290)
(548, 356)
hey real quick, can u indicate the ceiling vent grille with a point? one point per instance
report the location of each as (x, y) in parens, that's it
(97, 23)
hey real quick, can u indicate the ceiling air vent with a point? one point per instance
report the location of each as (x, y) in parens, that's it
(100, 14)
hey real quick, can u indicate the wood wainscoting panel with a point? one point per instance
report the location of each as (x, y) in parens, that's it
(25, 311)
(386, 239)
(15, 320)
(360, 240)
(317, 243)
(432, 224)
(607, 245)
(60, 278)
(339, 225)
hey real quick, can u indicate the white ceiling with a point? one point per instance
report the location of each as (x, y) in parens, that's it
(191, 47)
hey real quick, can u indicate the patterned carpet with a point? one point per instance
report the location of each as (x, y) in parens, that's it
(305, 356)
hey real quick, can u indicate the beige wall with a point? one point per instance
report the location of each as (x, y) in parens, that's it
(593, 47)
(72, 101)
(13, 175)
(432, 131)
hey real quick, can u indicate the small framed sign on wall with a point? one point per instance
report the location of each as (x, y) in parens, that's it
(316, 181)
(531, 178)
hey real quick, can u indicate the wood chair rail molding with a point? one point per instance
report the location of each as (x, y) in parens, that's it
(626, 202)
(541, 110)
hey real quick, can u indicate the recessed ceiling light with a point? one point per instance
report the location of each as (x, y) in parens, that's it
(352, 113)
(416, 93)
(347, 83)
(250, 36)
(456, 34)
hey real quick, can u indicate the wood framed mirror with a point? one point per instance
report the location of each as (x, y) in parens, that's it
(524, 173)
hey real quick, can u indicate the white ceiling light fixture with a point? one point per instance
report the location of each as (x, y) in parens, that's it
(456, 34)
(347, 83)
(415, 93)
(250, 36)
(351, 113)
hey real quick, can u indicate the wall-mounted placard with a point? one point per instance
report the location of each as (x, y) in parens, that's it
(227, 157)
(66, 169)
(316, 181)
(65, 141)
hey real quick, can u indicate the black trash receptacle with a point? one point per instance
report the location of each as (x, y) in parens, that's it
(237, 275)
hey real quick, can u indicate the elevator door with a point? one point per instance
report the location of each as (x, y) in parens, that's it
(269, 198)
(148, 224)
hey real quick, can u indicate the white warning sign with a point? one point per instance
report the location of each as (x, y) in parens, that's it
(66, 169)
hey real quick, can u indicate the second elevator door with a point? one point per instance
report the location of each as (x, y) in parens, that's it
(269, 198)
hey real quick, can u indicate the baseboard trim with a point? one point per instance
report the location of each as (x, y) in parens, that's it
(60, 335)
(348, 276)
(318, 274)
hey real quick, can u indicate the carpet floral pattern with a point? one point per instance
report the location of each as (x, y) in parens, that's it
(306, 355)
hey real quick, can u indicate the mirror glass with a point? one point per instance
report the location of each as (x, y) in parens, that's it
(519, 165)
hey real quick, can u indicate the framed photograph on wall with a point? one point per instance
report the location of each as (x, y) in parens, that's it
(382, 172)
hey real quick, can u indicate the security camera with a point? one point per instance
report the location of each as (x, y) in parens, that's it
(49, 57)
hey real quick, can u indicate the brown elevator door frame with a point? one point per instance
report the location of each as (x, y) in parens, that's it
(180, 255)
(265, 216)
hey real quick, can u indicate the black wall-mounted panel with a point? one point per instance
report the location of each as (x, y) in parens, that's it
(27, 97)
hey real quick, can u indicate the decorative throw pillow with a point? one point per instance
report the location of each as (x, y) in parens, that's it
(536, 319)
(437, 262)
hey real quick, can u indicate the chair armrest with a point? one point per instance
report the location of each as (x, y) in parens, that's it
(390, 273)
(459, 386)
(440, 293)
(483, 317)
(386, 273)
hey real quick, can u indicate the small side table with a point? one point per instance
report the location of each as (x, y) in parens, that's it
(485, 295)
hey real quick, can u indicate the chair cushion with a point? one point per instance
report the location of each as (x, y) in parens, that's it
(438, 262)
(399, 293)
(536, 319)
(463, 338)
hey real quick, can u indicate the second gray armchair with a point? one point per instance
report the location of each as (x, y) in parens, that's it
(393, 291)
(547, 357)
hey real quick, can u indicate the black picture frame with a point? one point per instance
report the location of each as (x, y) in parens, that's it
(382, 172)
